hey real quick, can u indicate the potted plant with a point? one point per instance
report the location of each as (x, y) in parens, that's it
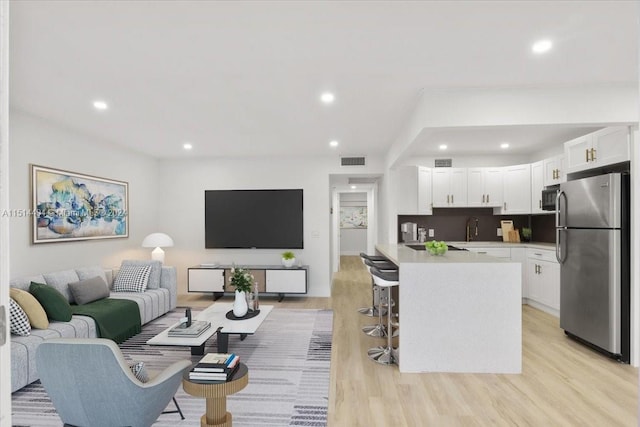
(288, 258)
(526, 234)
(242, 280)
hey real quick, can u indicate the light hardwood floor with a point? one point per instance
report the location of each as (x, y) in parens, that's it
(562, 383)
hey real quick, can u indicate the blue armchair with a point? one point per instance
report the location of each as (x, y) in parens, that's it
(91, 385)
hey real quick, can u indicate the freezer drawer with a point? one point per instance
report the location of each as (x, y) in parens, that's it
(590, 286)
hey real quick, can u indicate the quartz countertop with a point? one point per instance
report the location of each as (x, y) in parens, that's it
(399, 253)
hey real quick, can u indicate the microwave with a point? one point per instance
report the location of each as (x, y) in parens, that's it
(548, 199)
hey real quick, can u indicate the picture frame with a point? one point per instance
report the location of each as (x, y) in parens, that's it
(353, 217)
(69, 206)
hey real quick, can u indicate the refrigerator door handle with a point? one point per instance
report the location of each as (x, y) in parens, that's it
(558, 246)
(560, 194)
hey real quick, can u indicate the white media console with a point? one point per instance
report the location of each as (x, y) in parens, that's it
(274, 279)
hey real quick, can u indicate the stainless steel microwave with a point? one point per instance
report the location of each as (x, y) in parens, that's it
(549, 198)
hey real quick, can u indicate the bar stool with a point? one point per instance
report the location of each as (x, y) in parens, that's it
(373, 310)
(385, 355)
(380, 329)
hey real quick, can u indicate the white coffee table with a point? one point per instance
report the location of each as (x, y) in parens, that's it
(220, 325)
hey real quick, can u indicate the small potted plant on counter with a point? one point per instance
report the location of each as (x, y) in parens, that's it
(288, 259)
(526, 234)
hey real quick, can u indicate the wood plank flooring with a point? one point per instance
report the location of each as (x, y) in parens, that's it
(562, 384)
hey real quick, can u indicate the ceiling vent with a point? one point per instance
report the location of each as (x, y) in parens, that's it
(442, 163)
(352, 161)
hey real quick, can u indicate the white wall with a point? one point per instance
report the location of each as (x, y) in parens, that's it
(183, 183)
(35, 141)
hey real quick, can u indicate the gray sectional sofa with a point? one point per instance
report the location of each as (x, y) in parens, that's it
(159, 298)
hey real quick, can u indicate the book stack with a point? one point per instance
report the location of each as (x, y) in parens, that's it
(215, 367)
(195, 329)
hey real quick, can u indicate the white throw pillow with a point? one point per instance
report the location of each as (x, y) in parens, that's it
(132, 278)
(18, 321)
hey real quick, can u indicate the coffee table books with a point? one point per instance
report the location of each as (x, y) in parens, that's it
(196, 329)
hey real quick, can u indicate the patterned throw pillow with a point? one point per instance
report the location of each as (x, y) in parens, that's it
(140, 372)
(18, 321)
(132, 278)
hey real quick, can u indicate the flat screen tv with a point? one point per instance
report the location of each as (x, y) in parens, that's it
(262, 219)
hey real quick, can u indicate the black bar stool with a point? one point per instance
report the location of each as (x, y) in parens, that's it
(380, 329)
(373, 310)
(385, 355)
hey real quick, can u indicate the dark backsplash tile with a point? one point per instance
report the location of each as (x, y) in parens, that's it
(450, 224)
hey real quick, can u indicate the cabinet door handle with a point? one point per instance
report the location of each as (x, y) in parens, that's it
(535, 253)
(452, 198)
(483, 198)
(505, 206)
(487, 198)
(540, 203)
(593, 154)
(586, 154)
(448, 198)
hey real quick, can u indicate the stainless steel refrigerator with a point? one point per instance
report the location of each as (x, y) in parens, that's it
(592, 246)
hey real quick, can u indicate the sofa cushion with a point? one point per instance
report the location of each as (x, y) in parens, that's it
(60, 280)
(32, 308)
(139, 371)
(154, 274)
(89, 272)
(89, 290)
(18, 321)
(132, 278)
(53, 302)
(24, 282)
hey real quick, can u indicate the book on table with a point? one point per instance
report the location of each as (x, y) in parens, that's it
(195, 329)
(216, 363)
(215, 376)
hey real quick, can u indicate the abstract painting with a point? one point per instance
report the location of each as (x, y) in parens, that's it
(68, 206)
(353, 217)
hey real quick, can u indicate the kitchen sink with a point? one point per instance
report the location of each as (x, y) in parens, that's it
(424, 248)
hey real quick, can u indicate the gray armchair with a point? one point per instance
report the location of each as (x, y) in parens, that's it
(91, 385)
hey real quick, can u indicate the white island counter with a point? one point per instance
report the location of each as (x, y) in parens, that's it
(461, 312)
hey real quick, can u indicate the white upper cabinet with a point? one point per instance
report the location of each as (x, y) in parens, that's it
(484, 187)
(537, 185)
(424, 191)
(554, 171)
(517, 190)
(413, 190)
(604, 147)
(449, 187)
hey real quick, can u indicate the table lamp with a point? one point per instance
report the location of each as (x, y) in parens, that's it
(157, 241)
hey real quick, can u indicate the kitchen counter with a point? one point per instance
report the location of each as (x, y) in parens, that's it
(460, 312)
(496, 244)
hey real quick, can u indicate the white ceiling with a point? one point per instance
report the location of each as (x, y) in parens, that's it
(243, 78)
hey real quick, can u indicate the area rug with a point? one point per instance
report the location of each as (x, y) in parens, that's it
(288, 360)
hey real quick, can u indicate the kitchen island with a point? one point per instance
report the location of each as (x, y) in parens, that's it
(460, 312)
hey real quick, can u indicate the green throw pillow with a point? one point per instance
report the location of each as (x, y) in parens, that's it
(54, 303)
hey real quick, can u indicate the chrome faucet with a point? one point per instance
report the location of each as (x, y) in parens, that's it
(471, 235)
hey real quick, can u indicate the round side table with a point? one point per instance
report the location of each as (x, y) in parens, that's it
(216, 392)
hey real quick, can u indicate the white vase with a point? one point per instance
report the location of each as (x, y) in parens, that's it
(240, 307)
(288, 262)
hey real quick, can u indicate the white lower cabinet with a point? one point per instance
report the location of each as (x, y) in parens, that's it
(520, 255)
(205, 280)
(543, 280)
(496, 252)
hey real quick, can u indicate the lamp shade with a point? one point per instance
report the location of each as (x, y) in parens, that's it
(157, 240)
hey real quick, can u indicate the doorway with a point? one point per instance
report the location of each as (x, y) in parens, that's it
(353, 220)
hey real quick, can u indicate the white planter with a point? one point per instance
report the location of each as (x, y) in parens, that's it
(288, 262)
(240, 306)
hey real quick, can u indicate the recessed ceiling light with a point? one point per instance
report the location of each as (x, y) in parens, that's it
(443, 146)
(187, 146)
(542, 46)
(333, 143)
(353, 187)
(504, 145)
(100, 105)
(327, 97)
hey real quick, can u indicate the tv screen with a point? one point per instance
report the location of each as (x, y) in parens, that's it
(263, 219)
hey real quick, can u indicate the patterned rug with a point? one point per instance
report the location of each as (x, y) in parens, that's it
(288, 360)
